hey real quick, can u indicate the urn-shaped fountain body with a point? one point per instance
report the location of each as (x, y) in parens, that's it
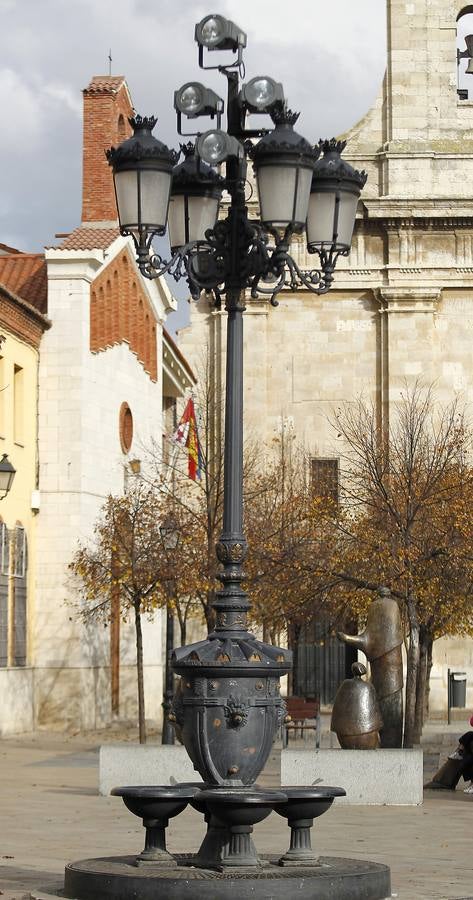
(227, 706)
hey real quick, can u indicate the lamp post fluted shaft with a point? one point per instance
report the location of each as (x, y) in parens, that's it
(168, 730)
(231, 602)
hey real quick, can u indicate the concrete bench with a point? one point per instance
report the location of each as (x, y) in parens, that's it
(140, 764)
(370, 777)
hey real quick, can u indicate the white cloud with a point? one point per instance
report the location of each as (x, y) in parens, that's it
(329, 58)
(24, 113)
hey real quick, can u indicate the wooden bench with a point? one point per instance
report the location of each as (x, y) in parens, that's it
(302, 709)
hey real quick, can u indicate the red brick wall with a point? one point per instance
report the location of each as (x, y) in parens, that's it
(120, 311)
(26, 323)
(107, 106)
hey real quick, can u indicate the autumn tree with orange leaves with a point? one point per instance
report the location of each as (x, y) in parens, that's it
(124, 559)
(406, 522)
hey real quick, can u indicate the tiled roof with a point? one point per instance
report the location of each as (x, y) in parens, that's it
(104, 84)
(4, 248)
(89, 238)
(29, 308)
(25, 274)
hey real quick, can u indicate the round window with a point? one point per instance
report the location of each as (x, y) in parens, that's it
(126, 428)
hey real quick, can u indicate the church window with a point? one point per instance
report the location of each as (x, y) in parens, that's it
(465, 52)
(325, 478)
(121, 128)
(126, 427)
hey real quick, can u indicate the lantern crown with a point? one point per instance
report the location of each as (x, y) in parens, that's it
(330, 164)
(142, 145)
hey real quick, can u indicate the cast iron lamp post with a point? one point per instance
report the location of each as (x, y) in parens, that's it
(227, 705)
(231, 678)
(170, 541)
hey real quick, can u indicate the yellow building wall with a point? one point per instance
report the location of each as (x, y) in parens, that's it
(18, 438)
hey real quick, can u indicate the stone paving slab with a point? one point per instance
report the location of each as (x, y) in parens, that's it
(51, 813)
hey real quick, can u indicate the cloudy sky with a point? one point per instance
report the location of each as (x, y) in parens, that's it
(329, 56)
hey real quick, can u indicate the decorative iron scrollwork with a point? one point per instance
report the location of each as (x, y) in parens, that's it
(231, 552)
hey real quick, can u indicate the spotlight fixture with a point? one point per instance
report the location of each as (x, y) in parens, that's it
(215, 146)
(261, 93)
(193, 99)
(217, 33)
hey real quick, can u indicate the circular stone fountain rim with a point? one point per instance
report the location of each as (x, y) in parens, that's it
(156, 792)
(316, 792)
(239, 795)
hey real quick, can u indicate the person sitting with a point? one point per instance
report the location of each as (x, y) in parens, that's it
(464, 752)
(458, 764)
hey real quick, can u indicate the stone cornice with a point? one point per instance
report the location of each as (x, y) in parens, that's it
(452, 211)
(408, 299)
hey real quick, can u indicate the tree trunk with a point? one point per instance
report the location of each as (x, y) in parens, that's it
(182, 619)
(140, 678)
(208, 611)
(421, 684)
(412, 674)
(266, 633)
(294, 634)
(430, 648)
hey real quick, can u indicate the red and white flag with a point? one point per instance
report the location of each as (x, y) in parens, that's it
(186, 436)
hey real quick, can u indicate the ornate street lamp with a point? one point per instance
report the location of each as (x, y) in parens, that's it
(169, 533)
(195, 196)
(142, 172)
(227, 707)
(7, 474)
(231, 677)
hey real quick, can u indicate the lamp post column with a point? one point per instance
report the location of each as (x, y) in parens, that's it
(168, 730)
(232, 603)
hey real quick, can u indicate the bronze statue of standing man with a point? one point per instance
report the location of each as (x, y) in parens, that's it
(381, 642)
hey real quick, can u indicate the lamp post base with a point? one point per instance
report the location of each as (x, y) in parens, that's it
(333, 879)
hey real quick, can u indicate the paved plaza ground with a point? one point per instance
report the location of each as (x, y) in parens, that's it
(51, 813)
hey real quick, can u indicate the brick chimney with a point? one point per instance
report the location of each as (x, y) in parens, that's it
(107, 106)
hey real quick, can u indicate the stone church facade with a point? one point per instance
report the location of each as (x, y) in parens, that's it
(401, 307)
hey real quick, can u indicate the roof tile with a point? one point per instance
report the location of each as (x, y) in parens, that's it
(25, 274)
(89, 238)
(104, 84)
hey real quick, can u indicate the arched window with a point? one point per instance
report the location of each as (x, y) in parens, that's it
(20, 594)
(465, 52)
(121, 128)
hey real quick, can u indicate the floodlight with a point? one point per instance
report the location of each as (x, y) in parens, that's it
(261, 93)
(193, 99)
(217, 33)
(216, 146)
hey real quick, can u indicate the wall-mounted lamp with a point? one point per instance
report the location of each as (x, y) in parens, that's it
(7, 474)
